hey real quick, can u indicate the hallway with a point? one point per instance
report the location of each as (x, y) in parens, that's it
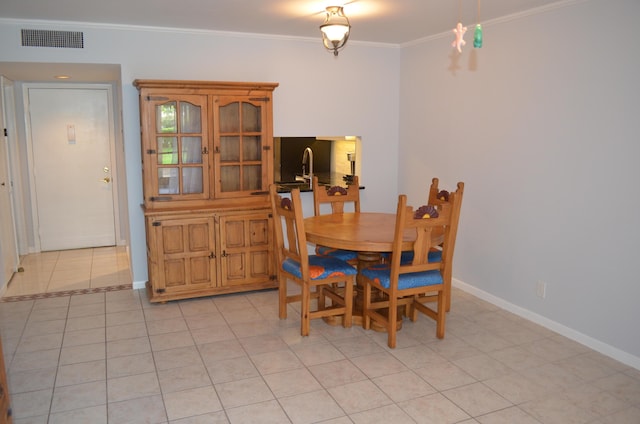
(77, 271)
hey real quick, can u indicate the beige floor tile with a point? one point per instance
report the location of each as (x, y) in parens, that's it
(378, 364)
(92, 414)
(123, 366)
(140, 410)
(83, 337)
(178, 379)
(191, 402)
(311, 407)
(385, 414)
(289, 383)
(359, 396)
(31, 380)
(278, 361)
(126, 347)
(319, 353)
(68, 398)
(269, 412)
(31, 404)
(177, 357)
(84, 372)
(337, 373)
(508, 416)
(132, 386)
(83, 353)
(433, 409)
(243, 392)
(444, 376)
(477, 399)
(232, 369)
(403, 386)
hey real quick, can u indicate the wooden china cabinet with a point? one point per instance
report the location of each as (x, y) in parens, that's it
(207, 163)
(5, 407)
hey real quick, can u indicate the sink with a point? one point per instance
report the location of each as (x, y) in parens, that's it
(288, 185)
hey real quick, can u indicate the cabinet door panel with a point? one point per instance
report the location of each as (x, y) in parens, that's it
(245, 242)
(186, 254)
(240, 139)
(175, 148)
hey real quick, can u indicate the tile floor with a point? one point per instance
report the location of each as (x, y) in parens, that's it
(113, 357)
(66, 270)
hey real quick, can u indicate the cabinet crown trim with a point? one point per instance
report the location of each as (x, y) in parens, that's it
(218, 85)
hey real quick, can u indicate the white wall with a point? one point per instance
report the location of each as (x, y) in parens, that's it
(544, 133)
(356, 93)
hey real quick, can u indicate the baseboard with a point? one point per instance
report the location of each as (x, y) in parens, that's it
(139, 284)
(608, 350)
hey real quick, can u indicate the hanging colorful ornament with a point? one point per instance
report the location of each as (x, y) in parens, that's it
(459, 31)
(477, 37)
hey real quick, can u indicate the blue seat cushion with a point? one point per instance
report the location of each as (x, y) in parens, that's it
(434, 256)
(381, 274)
(320, 267)
(345, 255)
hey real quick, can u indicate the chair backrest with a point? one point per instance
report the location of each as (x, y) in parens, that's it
(433, 226)
(438, 197)
(291, 241)
(336, 196)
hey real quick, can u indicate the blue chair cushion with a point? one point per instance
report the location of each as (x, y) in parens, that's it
(320, 267)
(345, 255)
(381, 274)
(434, 256)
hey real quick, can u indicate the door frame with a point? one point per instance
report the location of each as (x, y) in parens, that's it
(7, 124)
(31, 162)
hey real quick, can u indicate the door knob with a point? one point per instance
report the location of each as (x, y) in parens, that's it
(106, 180)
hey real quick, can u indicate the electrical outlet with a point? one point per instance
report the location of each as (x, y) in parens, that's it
(541, 289)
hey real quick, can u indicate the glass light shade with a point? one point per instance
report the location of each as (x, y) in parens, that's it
(335, 29)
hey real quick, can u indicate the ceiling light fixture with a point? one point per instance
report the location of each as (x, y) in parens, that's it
(335, 29)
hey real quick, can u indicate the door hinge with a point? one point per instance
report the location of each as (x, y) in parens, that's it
(151, 152)
(161, 290)
(6, 133)
(265, 147)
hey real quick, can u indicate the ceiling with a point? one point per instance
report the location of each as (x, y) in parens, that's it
(392, 22)
(380, 21)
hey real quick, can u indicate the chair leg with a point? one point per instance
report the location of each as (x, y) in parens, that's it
(348, 303)
(366, 305)
(305, 305)
(442, 314)
(392, 321)
(282, 296)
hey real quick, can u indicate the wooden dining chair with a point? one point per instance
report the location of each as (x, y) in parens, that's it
(411, 284)
(319, 277)
(337, 197)
(438, 197)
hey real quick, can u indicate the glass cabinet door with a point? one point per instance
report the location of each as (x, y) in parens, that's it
(181, 154)
(239, 141)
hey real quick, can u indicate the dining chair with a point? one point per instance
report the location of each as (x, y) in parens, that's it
(337, 197)
(411, 284)
(319, 277)
(437, 197)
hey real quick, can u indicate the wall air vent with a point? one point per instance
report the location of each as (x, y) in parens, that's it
(48, 38)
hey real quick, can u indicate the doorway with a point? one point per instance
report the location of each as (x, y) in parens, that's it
(70, 140)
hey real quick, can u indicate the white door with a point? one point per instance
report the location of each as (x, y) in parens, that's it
(8, 246)
(71, 134)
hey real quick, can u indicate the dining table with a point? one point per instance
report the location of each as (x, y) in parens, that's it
(371, 234)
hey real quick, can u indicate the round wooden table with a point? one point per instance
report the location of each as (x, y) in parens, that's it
(368, 233)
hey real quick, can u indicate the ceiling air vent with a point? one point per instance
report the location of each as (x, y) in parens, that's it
(48, 38)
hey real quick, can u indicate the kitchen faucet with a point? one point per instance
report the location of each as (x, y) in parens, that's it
(308, 156)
